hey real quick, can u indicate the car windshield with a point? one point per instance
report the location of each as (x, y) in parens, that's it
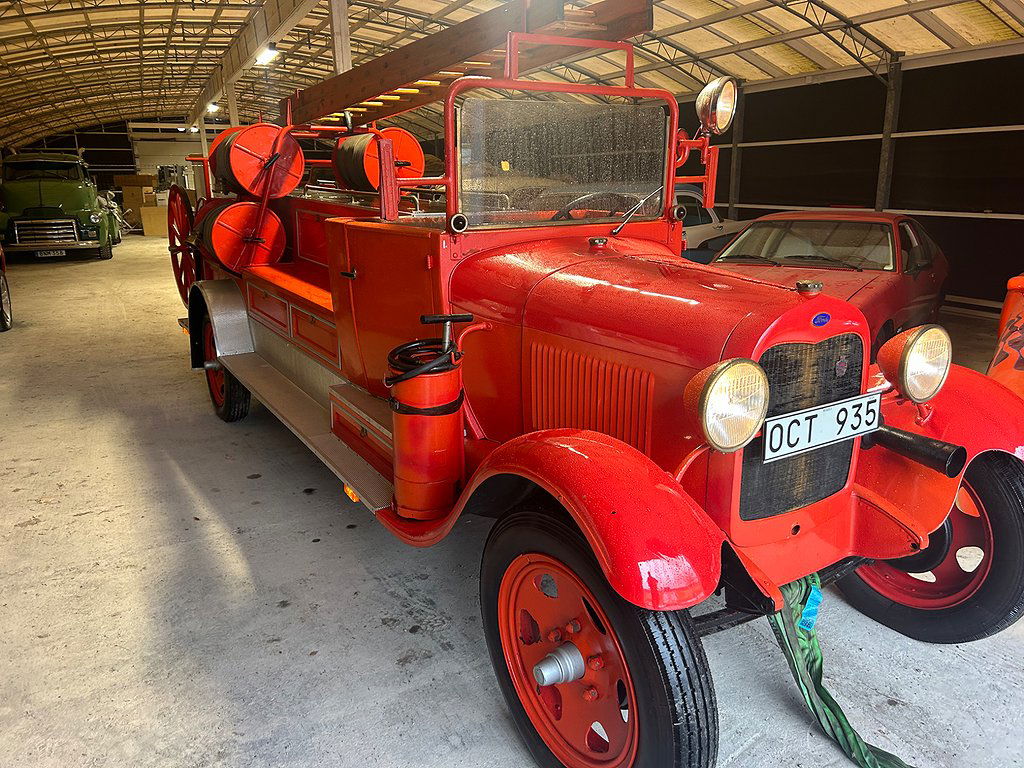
(533, 162)
(42, 169)
(843, 244)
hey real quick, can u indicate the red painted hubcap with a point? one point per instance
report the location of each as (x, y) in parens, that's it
(587, 723)
(960, 574)
(215, 379)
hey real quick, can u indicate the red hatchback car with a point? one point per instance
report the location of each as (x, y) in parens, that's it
(885, 264)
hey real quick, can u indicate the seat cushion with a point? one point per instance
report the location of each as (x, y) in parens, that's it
(305, 280)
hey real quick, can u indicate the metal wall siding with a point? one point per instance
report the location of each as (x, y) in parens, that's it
(801, 376)
(578, 391)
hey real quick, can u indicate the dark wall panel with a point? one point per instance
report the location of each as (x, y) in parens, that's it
(811, 174)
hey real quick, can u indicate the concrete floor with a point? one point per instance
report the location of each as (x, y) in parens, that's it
(176, 591)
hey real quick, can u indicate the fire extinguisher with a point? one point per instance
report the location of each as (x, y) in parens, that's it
(427, 421)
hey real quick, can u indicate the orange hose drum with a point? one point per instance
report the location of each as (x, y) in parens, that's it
(429, 443)
(1007, 366)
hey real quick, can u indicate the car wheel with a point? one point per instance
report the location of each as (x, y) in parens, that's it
(230, 399)
(6, 312)
(105, 252)
(589, 678)
(969, 582)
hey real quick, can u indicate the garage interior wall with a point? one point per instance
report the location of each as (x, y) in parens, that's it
(970, 162)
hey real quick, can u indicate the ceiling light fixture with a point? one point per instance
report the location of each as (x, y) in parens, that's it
(267, 55)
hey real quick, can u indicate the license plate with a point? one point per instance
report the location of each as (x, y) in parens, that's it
(812, 428)
(51, 254)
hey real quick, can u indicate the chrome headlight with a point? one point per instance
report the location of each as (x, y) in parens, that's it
(716, 104)
(94, 218)
(917, 361)
(731, 399)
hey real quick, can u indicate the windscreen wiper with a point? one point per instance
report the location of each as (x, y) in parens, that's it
(632, 211)
(829, 259)
(756, 256)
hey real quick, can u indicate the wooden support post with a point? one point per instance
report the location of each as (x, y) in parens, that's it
(229, 91)
(894, 91)
(202, 138)
(340, 41)
(736, 157)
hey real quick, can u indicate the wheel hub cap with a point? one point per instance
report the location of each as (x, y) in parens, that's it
(563, 665)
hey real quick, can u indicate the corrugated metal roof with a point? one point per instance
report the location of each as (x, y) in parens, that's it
(74, 63)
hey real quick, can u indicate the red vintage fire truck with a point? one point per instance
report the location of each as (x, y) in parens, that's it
(519, 338)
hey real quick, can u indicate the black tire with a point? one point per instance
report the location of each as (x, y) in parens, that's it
(234, 404)
(105, 252)
(998, 479)
(676, 707)
(6, 311)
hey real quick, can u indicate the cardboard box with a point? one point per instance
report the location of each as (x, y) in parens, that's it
(154, 221)
(135, 180)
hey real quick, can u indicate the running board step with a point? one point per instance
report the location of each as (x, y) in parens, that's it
(311, 423)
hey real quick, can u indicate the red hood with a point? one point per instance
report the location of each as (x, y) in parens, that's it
(840, 283)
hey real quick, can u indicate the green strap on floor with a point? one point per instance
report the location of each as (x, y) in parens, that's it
(794, 629)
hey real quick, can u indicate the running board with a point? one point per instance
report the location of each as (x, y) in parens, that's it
(311, 423)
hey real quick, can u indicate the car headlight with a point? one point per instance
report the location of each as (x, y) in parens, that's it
(731, 399)
(94, 218)
(917, 361)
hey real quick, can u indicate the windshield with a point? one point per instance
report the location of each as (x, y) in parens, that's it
(527, 161)
(42, 169)
(850, 244)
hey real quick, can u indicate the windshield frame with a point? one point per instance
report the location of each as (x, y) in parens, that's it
(451, 160)
(893, 267)
(83, 174)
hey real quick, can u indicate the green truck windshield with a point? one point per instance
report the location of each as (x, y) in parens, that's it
(42, 169)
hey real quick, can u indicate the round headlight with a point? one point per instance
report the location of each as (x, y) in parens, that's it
(94, 218)
(732, 403)
(716, 104)
(917, 361)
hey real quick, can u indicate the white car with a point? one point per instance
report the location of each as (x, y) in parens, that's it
(705, 233)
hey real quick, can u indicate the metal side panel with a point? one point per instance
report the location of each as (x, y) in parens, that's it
(312, 424)
(369, 408)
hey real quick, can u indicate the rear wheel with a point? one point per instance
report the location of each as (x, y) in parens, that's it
(6, 313)
(230, 399)
(590, 679)
(969, 582)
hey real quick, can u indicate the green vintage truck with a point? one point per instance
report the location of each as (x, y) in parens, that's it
(49, 206)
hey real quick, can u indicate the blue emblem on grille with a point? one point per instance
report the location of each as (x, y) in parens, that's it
(821, 319)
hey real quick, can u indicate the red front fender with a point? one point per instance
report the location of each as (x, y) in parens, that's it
(657, 547)
(972, 410)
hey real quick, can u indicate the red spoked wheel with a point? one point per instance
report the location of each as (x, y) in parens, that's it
(549, 619)
(591, 681)
(180, 221)
(968, 583)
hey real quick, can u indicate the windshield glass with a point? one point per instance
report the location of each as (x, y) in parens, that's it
(42, 169)
(524, 161)
(852, 244)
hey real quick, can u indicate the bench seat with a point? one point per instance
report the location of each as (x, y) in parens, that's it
(305, 280)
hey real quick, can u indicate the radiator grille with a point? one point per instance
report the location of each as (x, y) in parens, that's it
(46, 231)
(582, 392)
(801, 376)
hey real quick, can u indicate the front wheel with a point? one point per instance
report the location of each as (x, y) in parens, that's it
(230, 399)
(590, 679)
(969, 582)
(6, 312)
